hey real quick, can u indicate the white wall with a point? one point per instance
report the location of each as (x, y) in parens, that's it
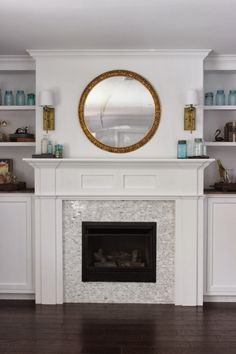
(171, 74)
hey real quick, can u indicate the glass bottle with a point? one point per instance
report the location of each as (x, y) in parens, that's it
(208, 98)
(8, 98)
(182, 149)
(232, 98)
(44, 144)
(220, 98)
(20, 98)
(204, 149)
(0, 97)
(50, 147)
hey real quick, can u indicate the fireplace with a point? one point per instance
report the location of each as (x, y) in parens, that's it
(119, 251)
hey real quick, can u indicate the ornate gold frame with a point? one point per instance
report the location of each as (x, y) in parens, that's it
(143, 81)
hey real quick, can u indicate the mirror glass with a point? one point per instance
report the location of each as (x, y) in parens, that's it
(119, 111)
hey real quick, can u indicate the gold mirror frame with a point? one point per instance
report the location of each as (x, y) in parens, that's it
(107, 75)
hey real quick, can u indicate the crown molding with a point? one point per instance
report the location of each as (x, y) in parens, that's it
(16, 62)
(220, 62)
(202, 53)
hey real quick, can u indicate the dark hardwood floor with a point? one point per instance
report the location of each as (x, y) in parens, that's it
(117, 329)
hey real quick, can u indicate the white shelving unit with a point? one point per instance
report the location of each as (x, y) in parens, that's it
(18, 73)
(219, 74)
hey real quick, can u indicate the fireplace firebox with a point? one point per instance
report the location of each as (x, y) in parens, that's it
(119, 251)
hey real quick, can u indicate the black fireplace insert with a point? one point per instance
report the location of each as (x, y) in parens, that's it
(119, 251)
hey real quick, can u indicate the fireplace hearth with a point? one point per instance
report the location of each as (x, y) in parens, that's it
(119, 251)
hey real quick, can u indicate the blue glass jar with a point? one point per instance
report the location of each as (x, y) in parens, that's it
(182, 149)
(220, 98)
(208, 98)
(8, 98)
(232, 98)
(20, 98)
(31, 99)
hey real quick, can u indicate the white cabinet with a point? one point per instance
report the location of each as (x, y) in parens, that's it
(221, 246)
(16, 244)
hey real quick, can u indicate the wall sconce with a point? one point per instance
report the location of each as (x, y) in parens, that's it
(190, 110)
(46, 100)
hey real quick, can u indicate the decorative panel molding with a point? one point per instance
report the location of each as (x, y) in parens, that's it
(16, 276)
(221, 247)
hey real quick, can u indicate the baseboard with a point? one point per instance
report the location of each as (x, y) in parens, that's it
(17, 296)
(219, 298)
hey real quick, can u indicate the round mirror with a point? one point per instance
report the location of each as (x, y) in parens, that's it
(119, 111)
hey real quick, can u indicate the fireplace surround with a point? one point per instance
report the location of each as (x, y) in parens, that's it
(61, 182)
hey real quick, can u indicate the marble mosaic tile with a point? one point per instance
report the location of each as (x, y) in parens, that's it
(161, 212)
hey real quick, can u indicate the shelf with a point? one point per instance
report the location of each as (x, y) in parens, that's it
(219, 108)
(220, 144)
(21, 144)
(17, 108)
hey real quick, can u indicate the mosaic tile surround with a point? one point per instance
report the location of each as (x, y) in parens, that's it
(161, 212)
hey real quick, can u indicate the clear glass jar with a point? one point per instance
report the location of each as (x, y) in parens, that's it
(232, 98)
(20, 98)
(198, 147)
(190, 146)
(8, 98)
(44, 145)
(182, 149)
(220, 98)
(208, 98)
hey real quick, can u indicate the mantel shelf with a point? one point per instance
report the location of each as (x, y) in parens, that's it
(17, 108)
(163, 163)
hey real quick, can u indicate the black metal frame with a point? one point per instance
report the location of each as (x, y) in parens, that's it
(147, 274)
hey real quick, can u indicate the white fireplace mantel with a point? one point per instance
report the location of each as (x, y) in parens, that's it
(160, 179)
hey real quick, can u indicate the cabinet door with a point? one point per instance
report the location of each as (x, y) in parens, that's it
(15, 245)
(221, 246)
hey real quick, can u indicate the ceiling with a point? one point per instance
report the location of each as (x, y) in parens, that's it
(117, 24)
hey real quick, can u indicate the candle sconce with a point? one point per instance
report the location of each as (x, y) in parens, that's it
(46, 100)
(190, 111)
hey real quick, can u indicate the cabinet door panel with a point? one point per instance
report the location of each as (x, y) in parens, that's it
(221, 270)
(15, 245)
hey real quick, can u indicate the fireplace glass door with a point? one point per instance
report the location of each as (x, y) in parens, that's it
(119, 251)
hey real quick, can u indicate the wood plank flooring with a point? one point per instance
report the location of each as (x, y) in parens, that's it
(26, 328)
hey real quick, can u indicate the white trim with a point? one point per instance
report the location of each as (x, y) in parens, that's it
(202, 53)
(17, 62)
(219, 298)
(220, 62)
(17, 296)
